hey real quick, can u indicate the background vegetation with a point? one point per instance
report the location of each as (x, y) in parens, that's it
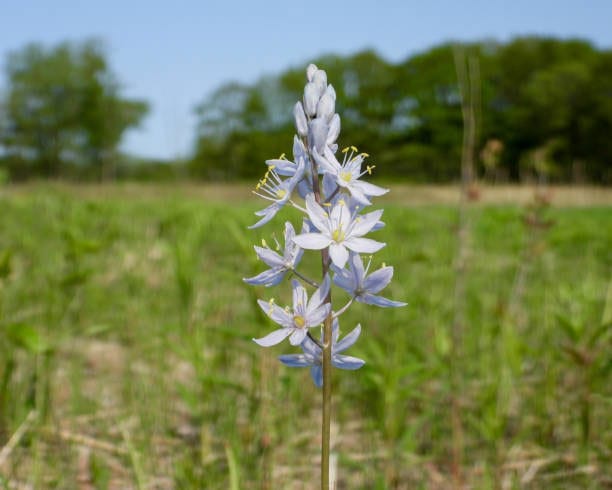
(546, 104)
(125, 333)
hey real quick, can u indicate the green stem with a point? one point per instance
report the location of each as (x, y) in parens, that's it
(327, 347)
(326, 424)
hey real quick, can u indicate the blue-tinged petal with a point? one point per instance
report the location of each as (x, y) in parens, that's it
(348, 340)
(268, 278)
(276, 313)
(329, 185)
(363, 245)
(267, 213)
(357, 270)
(356, 192)
(343, 279)
(326, 165)
(318, 315)
(300, 297)
(317, 215)
(304, 187)
(297, 337)
(319, 296)
(273, 338)
(317, 133)
(347, 362)
(296, 360)
(317, 375)
(327, 105)
(282, 167)
(378, 280)
(338, 254)
(364, 223)
(371, 299)
(312, 241)
(370, 189)
(270, 257)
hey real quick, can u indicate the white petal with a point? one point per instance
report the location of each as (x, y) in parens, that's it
(312, 241)
(273, 338)
(310, 71)
(370, 189)
(297, 336)
(363, 245)
(316, 214)
(338, 254)
(364, 223)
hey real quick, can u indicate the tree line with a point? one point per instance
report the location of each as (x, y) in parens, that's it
(545, 110)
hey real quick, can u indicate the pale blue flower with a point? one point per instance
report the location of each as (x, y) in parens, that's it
(339, 230)
(363, 287)
(295, 322)
(273, 188)
(312, 355)
(279, 265)
(288, 168)
(348, 173)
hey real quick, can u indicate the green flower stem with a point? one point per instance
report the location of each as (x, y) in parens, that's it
(327, 352)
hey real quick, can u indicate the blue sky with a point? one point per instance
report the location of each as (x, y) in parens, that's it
(175, 53)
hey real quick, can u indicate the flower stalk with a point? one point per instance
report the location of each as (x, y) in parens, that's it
(333, 224)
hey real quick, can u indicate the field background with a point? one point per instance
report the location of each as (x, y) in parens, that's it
(126, 359)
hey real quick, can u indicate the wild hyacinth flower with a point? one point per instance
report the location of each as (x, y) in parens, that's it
(279, 265)
(348, 173)
(296, 322)
(273, 188)
(339, 231)
(312, 355)
(363, 287)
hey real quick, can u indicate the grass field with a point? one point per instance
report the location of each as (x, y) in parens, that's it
(126, 358)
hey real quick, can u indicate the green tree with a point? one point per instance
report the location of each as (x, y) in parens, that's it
(63, 109)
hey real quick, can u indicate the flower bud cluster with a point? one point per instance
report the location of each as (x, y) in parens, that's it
(333, 197)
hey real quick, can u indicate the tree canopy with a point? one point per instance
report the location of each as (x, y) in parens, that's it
(539, 96)
(63, 108)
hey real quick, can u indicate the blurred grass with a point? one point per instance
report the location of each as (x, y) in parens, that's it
(125, 327)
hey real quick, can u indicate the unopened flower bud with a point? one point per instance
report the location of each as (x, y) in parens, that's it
(310, 71)
(317, 133)
(301, 124)
(326, 106)
(334, 129)
(311, 98)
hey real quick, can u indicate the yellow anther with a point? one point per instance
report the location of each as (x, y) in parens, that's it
(369, 168)
(327, 204)
(270, 169)
(341, 202)
(282, 157)
(263, 243)
(280, 193)
(344, 150)
(354, 148)
(338, 235)
(271, 302)
(365, 155)
(384, 264)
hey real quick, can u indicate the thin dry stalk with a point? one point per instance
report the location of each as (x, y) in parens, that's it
(16, 437)
(469, 86)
